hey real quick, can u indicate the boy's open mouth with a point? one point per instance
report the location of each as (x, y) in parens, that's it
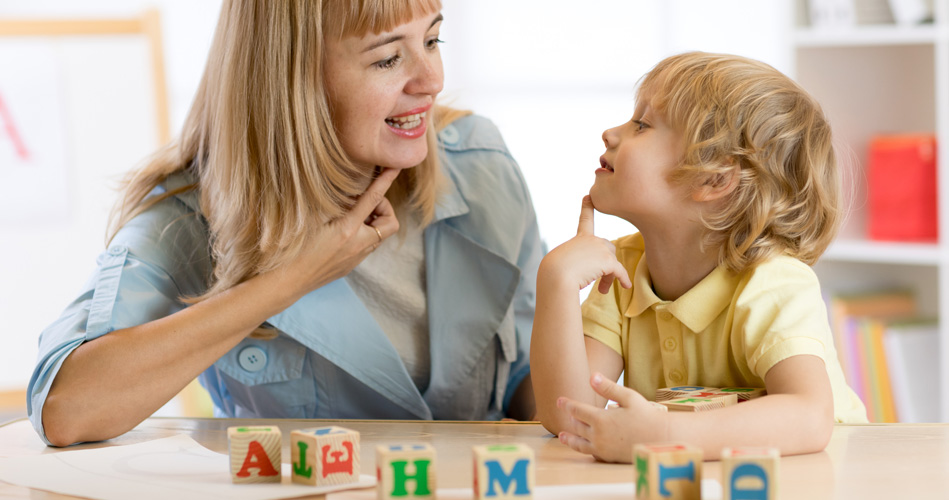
(604, 164)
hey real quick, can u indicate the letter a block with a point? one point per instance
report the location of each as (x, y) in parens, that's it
(665, 471)
(503, 471)
(324, 456)
(405, 471)
(750, 473)
(255, 454)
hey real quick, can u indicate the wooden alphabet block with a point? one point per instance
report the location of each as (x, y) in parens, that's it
(681, 391)
(750, 473)
(665, 471)
(744, 393)
(694, 403)
(503, 471)
(255, 454)
(323, 456)
(405, 471)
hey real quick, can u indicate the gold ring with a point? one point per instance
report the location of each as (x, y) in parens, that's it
(378, 233)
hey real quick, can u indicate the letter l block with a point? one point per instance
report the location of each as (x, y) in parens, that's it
(324, 456)
(665, 471)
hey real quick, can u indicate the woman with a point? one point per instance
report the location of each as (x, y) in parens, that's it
(257, 249)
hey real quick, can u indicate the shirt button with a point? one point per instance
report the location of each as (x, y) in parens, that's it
(449, 135)
(670, 344)
(675, 376)
(115, 250)
(252, 359)
(665, 315)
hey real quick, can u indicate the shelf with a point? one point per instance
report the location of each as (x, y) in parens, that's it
(917, 254)
(859, 36)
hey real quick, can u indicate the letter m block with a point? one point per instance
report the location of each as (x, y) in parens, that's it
(665, 471)
(324, 456)
(503, 471)
(750, 473)
(405, 471)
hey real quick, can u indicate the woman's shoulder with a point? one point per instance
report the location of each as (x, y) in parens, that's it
(472, 132)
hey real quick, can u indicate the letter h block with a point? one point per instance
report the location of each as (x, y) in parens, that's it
(324, 456)
(665, 471)
(503, 471)
(255, 454)
(405, 471)
(750, 473)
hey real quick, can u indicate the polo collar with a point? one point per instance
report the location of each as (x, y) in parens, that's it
(697, 308)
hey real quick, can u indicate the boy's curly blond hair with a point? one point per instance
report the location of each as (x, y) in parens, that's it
(733, 111)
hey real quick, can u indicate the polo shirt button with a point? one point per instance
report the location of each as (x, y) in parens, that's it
(665, 315)
(675, 376)
(115, 250)
(252, 359)
(449, 135)
(670, 344)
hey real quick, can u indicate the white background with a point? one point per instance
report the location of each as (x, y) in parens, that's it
(552, 74)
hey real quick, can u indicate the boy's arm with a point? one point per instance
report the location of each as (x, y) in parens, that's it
(796, 416)
(561, 357)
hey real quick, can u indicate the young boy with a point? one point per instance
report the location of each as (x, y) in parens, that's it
(727, 171)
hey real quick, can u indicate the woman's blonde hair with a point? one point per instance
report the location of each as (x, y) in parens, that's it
(260, 139)
(734, 111)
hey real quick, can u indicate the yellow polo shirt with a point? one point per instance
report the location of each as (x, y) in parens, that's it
(727, 331)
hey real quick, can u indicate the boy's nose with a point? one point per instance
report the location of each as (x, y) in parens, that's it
(609, 136)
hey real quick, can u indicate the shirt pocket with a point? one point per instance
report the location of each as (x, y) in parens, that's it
(268, 376)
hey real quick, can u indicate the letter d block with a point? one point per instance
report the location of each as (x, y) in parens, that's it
(324, 456)
(405, 471)
(255, 454)
(666, 471)
(503, 471)
(750, 473)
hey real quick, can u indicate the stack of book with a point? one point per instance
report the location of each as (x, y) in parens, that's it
(889, 354)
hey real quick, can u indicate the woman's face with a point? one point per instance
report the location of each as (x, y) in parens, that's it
(382, 88)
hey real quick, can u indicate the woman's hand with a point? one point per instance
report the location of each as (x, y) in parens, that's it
(609, 434)
(585, 258)
(335, 248)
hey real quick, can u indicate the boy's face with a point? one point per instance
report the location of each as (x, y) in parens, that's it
(633, 179)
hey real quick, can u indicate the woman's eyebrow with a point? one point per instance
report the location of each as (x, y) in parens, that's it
(395, 38)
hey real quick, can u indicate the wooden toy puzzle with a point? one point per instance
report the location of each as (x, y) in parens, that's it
(324, 456)
(682, 391)
(255, 454)
(750, 473)
(405, 471)
(695, 403)
(503, 471)
(666, 471)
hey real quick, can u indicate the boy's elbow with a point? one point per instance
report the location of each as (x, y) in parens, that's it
(59, 431)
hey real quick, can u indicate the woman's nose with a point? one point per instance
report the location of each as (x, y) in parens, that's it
(428, 77)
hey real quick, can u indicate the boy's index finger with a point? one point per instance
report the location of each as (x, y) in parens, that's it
(586, 216)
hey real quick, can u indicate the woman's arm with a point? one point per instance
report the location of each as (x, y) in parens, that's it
(109, 385)
(797, 416)
(561, 357)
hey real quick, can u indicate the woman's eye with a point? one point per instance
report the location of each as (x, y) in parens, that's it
(432, 44)
(389, 62)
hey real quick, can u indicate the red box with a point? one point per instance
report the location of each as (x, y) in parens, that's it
(901, 185)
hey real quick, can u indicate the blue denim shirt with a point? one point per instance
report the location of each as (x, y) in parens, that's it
(330, 358)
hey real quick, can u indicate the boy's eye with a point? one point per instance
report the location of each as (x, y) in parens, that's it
(388, 62)
(640, 125)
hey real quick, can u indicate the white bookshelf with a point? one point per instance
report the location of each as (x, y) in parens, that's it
(884, 78)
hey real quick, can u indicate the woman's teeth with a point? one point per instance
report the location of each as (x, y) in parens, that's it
(406, 122)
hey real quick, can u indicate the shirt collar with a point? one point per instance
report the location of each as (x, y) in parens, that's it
(697, 308)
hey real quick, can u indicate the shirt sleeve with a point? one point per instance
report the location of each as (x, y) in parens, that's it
(603, 318)
(138, 279)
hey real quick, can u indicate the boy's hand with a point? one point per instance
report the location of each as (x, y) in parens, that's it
(609, 435)
(586, 258)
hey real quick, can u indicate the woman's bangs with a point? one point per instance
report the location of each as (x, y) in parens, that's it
(360, 17)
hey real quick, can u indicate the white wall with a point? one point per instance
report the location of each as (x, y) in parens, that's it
(553, 74)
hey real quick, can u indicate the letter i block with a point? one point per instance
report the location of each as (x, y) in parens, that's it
(750, 473)
(405, 471)
(255, 454)
(666, 471)
(503, 471)
(324, 456)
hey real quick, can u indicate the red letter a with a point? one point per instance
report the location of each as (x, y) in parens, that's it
(256, 459)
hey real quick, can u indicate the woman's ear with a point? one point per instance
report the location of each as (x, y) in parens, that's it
(718, 185)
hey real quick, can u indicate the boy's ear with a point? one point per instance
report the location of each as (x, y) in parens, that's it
(717, 186)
